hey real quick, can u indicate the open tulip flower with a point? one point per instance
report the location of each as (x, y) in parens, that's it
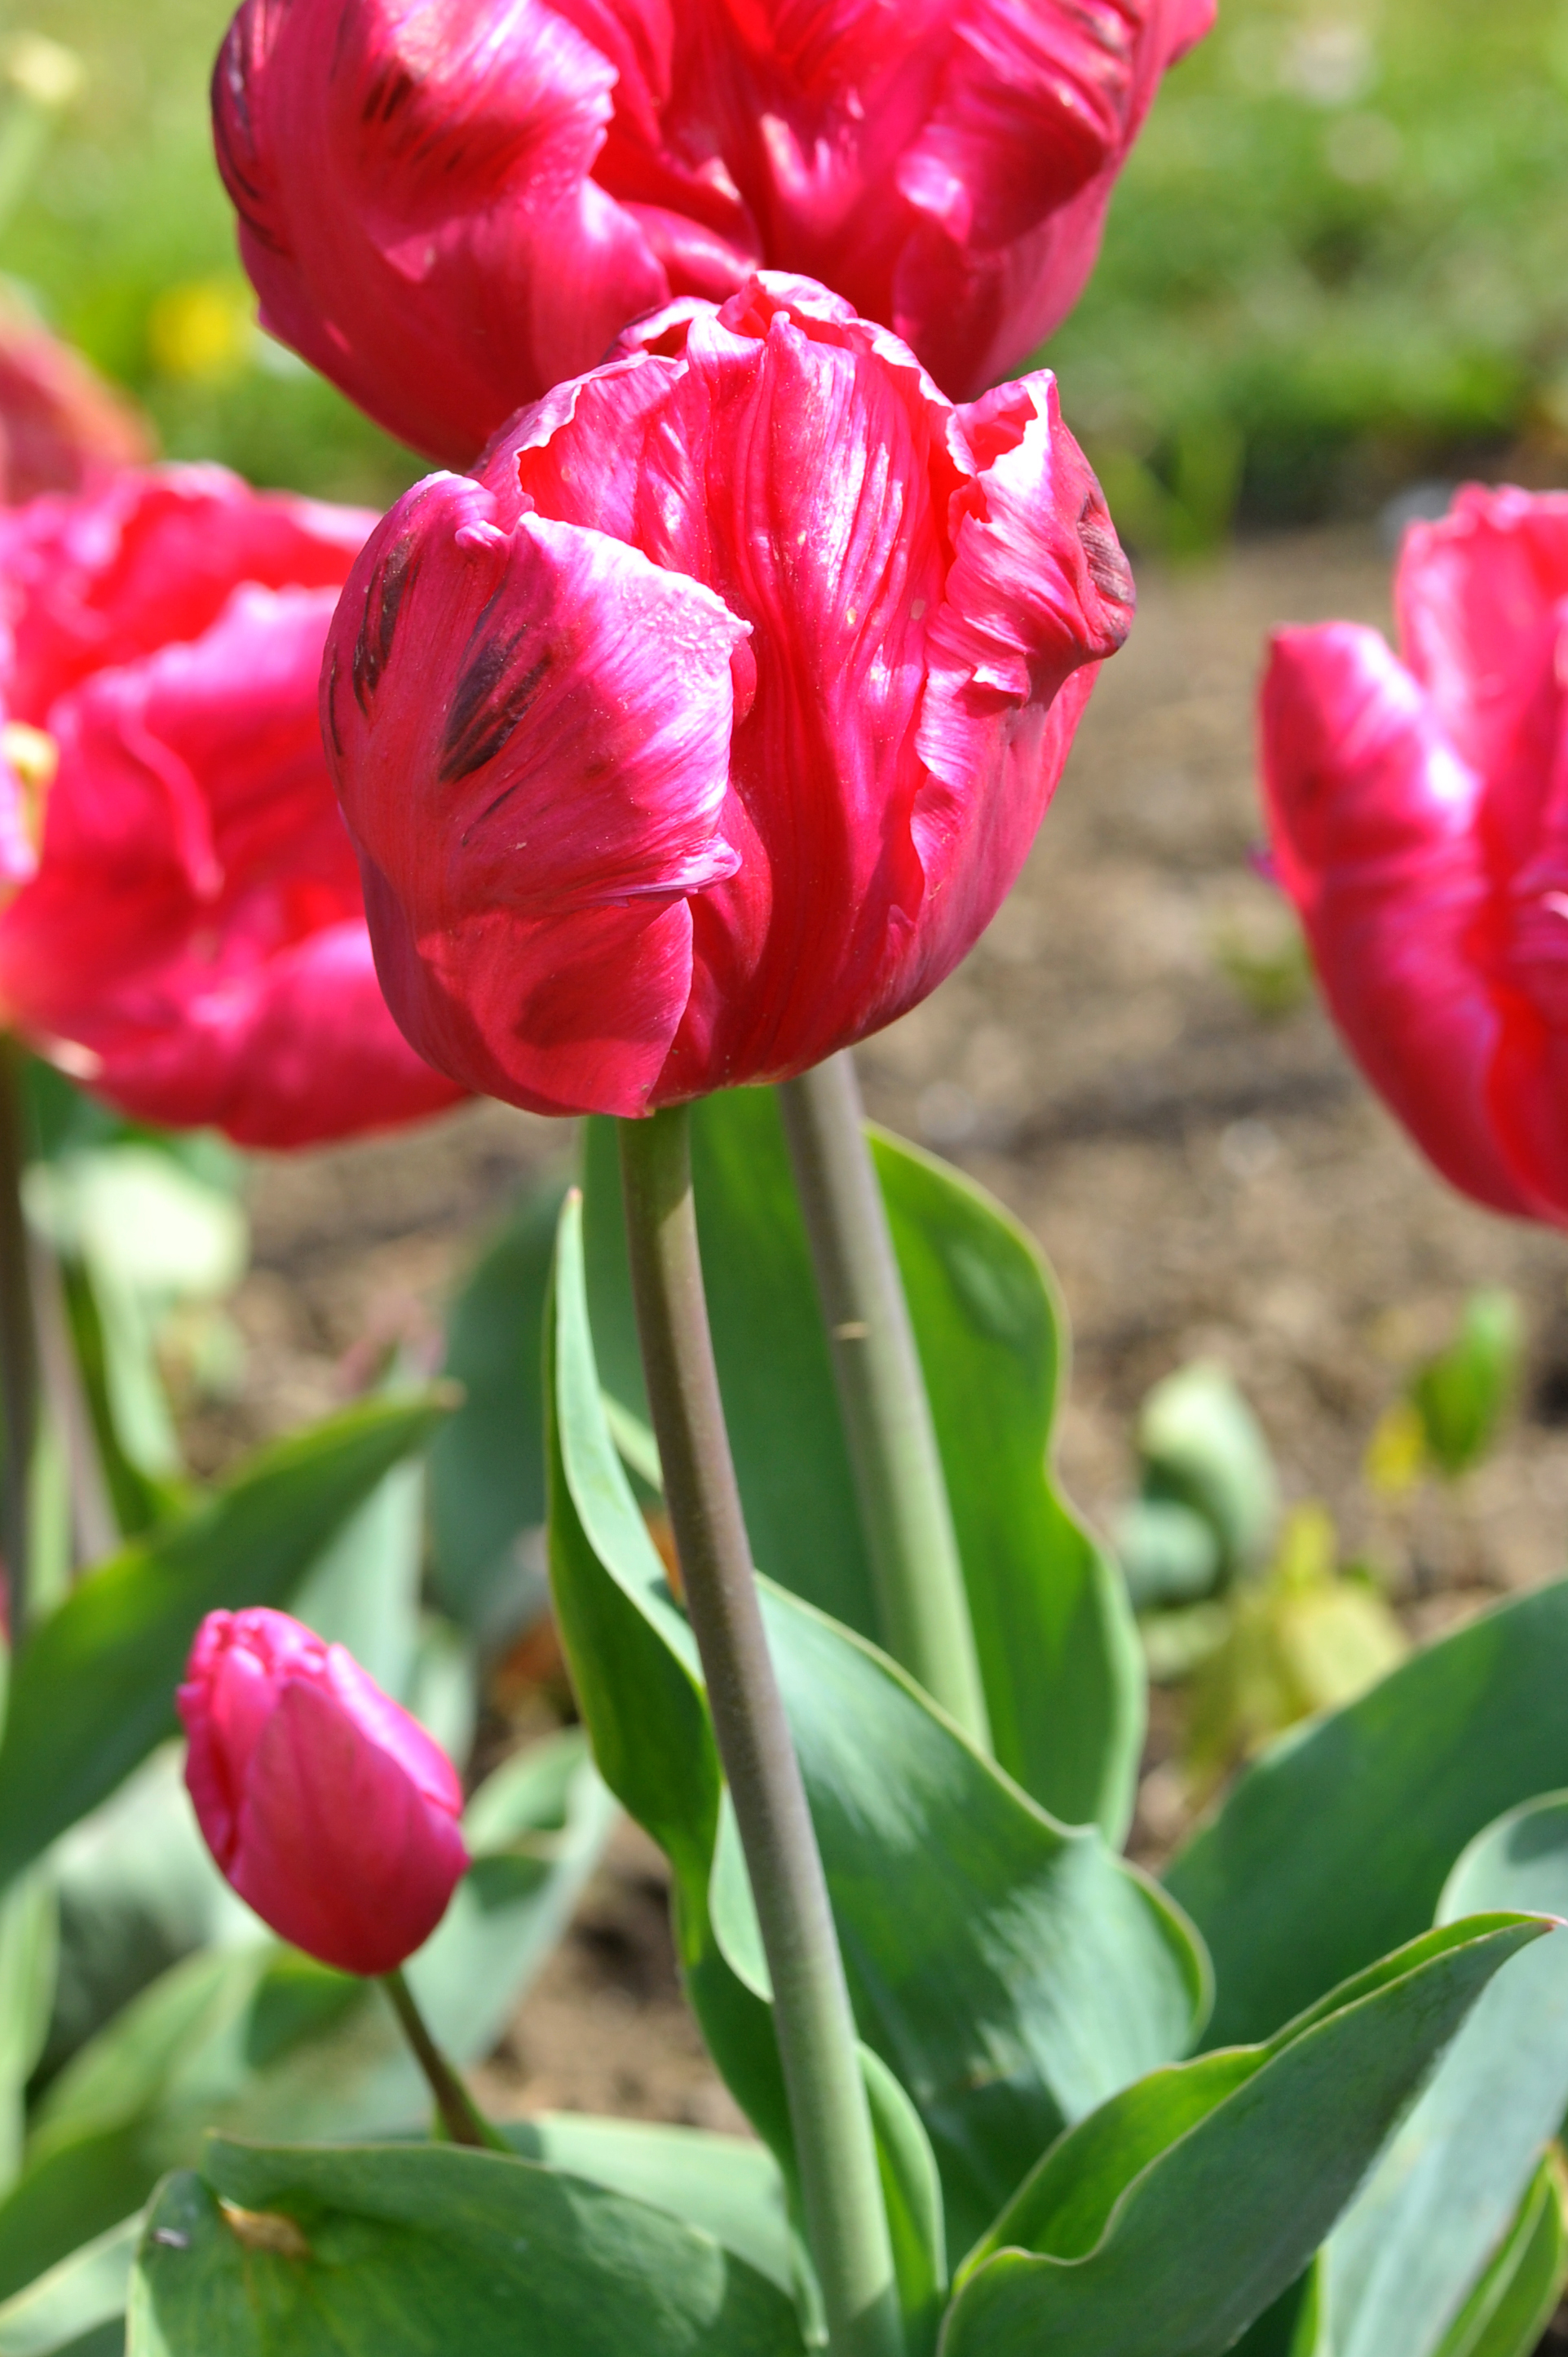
(701, 732)
(62, 428)
(192, 943)
(331, 1811)
(448, 209)
(1419, 813)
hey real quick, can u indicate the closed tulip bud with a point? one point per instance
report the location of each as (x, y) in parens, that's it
(1418, 806)
(448, 209)
(330, 1810)
(701, 732)
(191, 940)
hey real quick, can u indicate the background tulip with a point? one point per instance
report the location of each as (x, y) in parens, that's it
(329, 1809)
(62, 428)
(448, 209)
(1419, 813)
(193, 941)
(703, 731)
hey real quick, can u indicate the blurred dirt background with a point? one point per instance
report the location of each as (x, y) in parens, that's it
(1200, 1161)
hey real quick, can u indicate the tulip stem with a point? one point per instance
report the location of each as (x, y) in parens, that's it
(461, 2116)
(18, 1348)
(897, 1468)
(835, 2151)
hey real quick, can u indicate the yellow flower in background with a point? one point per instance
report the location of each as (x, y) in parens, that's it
(203, 330)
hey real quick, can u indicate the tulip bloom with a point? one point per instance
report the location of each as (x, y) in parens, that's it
(703, 730)
(61, 427)
(329, 1809)
(192, 943)
(447, 210)
(1419, 813)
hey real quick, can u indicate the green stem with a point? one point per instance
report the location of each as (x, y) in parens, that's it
(465, 2123)
(897, 1468)
(835, 2151)
(18, 1351)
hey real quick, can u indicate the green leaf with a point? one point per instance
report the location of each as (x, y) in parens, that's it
(69, 2310)
(730, 2188)
(1009, 1970)
(1446, 2191)
(92, 1689)
(1463, 1394)
(362, 1591)
(486, 1467)
(395, 2252)
(28, 1949)
(1334, 1847)
(1058, 1655)
(265, 2042)
(1515, 2300)
(1202, 1448)
(137, 1889)
(1163, 2223)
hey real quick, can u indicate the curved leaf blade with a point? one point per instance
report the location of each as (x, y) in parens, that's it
(1446, 2191)
(1059, 1658)
(1334, 1847)
(1121, 2246)
(1011, 1972)
(394, 2251)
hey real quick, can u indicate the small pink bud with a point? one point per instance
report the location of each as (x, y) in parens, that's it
(329, 1809)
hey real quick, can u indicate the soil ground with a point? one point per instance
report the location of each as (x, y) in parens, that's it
(1207, 1180)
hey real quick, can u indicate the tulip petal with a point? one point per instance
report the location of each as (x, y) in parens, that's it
(577, 765)
(447, 204)
(336, 1848)
(150, 558)
(194, 939)
(1478, 597)
(1373, 818)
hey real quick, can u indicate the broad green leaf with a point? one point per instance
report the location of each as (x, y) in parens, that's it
(28, 1949)
(1445, 2193)
(137, 1889)
(486, 1467)
(1058, 1654)
(729, 2188)
(149, 1233)
(1163, 2223)
(362, 1591)
(264, 2042)
(92, 1689)
(395, 2252)
(78, 2304)
(1334, 1847)
(1011, 1972)
(1516, 2299)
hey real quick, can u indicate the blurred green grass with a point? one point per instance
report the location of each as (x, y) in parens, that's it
(1338, 262)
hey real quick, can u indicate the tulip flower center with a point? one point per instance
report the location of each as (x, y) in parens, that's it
(33, 758)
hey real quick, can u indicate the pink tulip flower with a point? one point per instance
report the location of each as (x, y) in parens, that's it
(1418, 807)
(448, 209)
(192, 941)
(703, 731)
(61, 427)
(329, 1809)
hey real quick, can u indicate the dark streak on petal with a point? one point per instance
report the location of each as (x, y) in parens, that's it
(389, 586)
(487, 703)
